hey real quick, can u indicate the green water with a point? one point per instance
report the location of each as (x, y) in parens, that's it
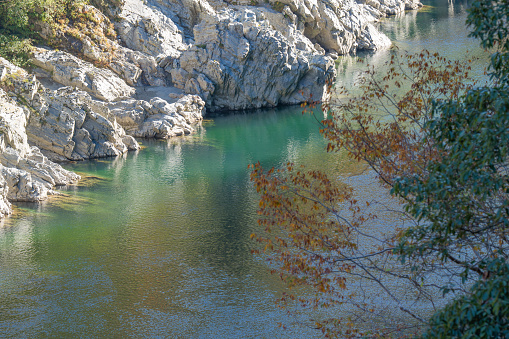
(157, 244)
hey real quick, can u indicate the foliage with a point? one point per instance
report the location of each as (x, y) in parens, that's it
(84, 26)
(19, 16)
(108, 7)
(16, 49)
(464, 199)
(481, 313)
(65, 24)
(15, 16)
(440, 143)
(316, 232)
(385, 126)
(278, 6)
(15, 29)
(488, 20)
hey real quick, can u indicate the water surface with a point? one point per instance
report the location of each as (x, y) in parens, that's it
(156, 243)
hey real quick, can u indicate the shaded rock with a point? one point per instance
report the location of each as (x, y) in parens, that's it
(137, 68)
(22, 187)
(412, 4)
(371, 38)
(5, 205)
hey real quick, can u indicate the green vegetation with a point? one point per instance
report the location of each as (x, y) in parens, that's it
(466, 199)
(442, 148)
(16, 49)
(278, 6)
(57, 23)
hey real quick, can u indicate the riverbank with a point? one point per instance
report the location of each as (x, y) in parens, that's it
(151, 70)
(161, 245)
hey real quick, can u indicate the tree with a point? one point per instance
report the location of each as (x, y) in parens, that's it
(317, 232)
(468, 214)
(439, 144)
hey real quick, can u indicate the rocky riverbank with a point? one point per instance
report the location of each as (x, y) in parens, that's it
(168, 62)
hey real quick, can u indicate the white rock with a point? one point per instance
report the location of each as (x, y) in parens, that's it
(158, 118)
(240, 62)
(78, 125)
(248, 57)
(65, 121)
(71, 71)
(25, 174)
(148, 30)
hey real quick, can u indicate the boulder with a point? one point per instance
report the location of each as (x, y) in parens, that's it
(158, 118)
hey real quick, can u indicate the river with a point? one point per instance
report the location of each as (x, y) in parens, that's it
(155, 244)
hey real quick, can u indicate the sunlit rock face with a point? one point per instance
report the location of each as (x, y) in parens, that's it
(72, 71)
(89, 100)
(238, 61)
(25, 173)
(65, 122)
(157, 118)
(254, 53)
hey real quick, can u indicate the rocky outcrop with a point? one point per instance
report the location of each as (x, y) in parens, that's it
(67, 122)
(240, 62)
(337, 26)
(25, 174)
(69, 70)
(78, 126)
(158, 118)
(252, 54)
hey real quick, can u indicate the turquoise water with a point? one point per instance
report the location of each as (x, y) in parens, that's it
(156, 243)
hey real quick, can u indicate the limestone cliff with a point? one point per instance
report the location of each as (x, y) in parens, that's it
(157, 66)
(251, 54)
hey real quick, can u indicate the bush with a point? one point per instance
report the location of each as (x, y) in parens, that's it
(68, 20)
(16, 49)
(482, 313)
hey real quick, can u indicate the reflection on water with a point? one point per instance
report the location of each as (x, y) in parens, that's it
(438, 27)
(157, 243)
